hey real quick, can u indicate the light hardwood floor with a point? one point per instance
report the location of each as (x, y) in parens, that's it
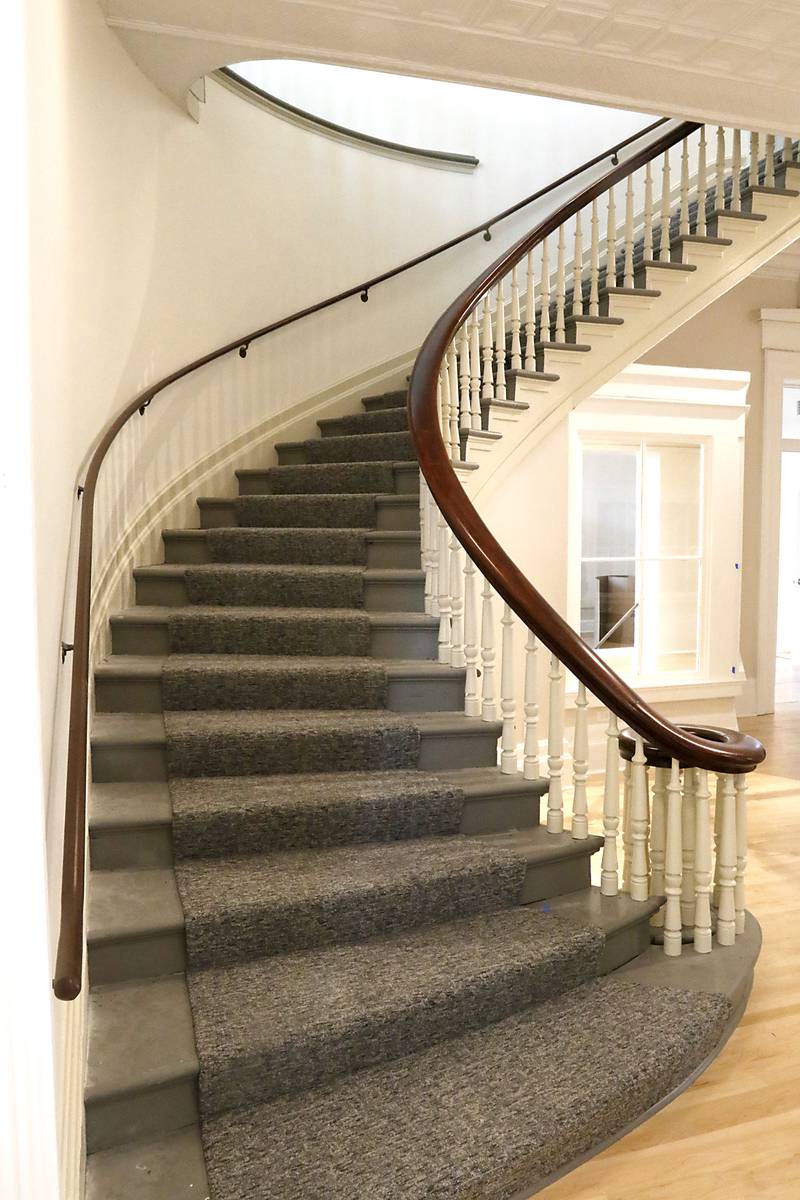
(735, 1134)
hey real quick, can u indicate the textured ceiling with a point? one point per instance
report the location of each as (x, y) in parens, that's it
(737, 60)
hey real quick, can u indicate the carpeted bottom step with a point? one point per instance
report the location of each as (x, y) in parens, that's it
(257, 905)
(257, 814)
(480, 1117)
(280, 1025)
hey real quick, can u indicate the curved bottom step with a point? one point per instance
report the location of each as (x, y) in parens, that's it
(497, 1114)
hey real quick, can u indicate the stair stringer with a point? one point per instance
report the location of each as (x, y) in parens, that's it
(647, 322)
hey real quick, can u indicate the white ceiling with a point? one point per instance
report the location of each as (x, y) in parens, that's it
(732, 60)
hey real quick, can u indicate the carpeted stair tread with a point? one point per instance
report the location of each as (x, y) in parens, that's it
(244, 743)
(363, 447)
(480, 1117)
(317, 586)
(252, 814)
(310, 478)
(266, 630)
(380, 420)
(252, 906)
(299, 546)
(242, 681)
(322, 511)
(283, 1024)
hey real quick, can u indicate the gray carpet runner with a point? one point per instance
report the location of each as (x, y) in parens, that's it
(376, 1017)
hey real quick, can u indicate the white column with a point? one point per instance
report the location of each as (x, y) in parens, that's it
(555, 748)
(702, 865)
(658, 839)
(688, 818)
(726, 912)
(580, 766)
(640, 824)
(531, 747)
(609, 877)
(740, 788)
(516, 343)
(508, 742)
(488, 654)
(672, 865)
(472, 703)
(456, 604)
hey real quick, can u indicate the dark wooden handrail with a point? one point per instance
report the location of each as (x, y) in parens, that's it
(735, 756)
(69, 956)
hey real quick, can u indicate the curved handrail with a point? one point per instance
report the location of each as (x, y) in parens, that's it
(239, 84)
(735, 756)
(69, 956)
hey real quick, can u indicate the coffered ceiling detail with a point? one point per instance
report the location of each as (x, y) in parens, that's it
(732, 60)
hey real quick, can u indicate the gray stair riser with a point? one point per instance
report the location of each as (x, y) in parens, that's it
(150, 846)
(151, 637)
(191, 550)
(124, 693)
(624, 945)
(162, 592)
(403, 554)
(380, 595)
(389, 514)
(291, 456)
(121, 762)
(406, 483)
(148, 956)
(114, 1121)
(376, 420)
(390, 400)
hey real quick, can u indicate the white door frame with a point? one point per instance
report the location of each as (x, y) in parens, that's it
(780, 342)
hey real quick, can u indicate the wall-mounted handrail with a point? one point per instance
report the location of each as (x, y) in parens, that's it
(69, 957)
(737, 755)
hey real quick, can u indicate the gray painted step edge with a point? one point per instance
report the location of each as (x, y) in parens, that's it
(384, 548)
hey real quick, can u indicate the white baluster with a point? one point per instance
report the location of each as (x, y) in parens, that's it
(555, 748)
(627, 275)
(580, 766)
(647, 250)
(456, 604)
(627, 855)
(684, 211)
(702, 865)
(443, 406)
(560, 286)
(717, 830)
(736, 172)
(672, 865)
(640, 824)
(475, 371)
(726, 912)
(449, 426)
(786, 154)
(430, 550)
(500, 344)
(444, 590)
(688, 818)
(508, 743)
(487, 379)
(577, 273)
(594, 264)
(658, 839)
(452, 378)
(740, 788)
(701, 227)
(611, 240)
(544, 331)
(488, 693)
(769, 164)
(530, 315)
(663, 250)
(752, 178)
(531, 746)
(609, 877)
(463, 379)
(472, 703)
(719, 186)
(516, 343)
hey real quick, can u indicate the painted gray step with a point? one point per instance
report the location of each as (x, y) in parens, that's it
(133, 683)
(624, 921)
(382, 590)
(130, 824)
(132, 746)
(315, 478)
(397, 399)
(678, 245)
(142, 1064)
(381, 548)
(376, 420)
(365, 447)
(168, 1167)
(319, 511)
(144, 630)
(135, 927)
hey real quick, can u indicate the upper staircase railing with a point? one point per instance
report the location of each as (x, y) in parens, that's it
(68, 974)
(531, 303)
